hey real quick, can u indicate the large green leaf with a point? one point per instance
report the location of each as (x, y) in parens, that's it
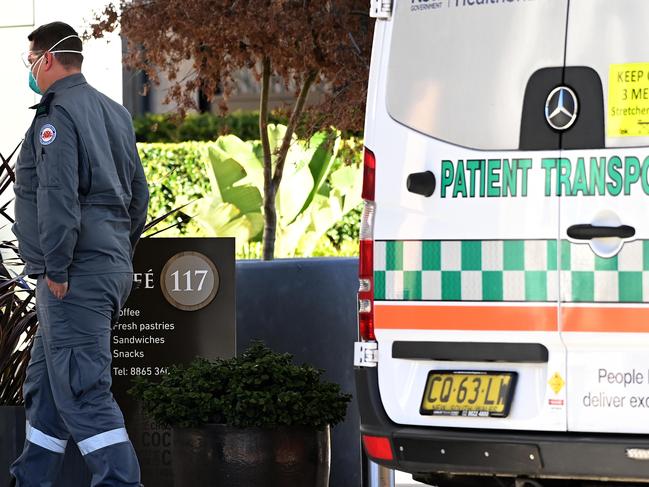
(232, 176)
(297, 184)
(227, 170)
(233, 162)
(225, 220)
(276, 134)
(320, 163)
(311, 198)
(244, 229)
(247, 198)
(256, 226)
(348, 181)
(217, 214)
(239, 150)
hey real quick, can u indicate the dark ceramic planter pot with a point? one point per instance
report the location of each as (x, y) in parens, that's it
(12, 441)
(307, 307)
(224, 456)
(12, 438)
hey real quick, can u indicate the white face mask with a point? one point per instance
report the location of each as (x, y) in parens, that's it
(34, 84)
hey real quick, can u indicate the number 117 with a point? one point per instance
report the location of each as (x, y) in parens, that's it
(188, 280)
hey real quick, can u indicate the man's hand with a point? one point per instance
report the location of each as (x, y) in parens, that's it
(59, 290)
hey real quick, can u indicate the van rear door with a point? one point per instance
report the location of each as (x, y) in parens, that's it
(466, 280)
(602, 177)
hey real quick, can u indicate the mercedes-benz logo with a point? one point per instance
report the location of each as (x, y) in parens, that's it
(561, 108)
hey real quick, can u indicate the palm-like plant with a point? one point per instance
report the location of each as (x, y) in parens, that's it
(17, 312)
(17, 328)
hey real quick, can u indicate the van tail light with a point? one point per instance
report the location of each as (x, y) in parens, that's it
(378, 447)
(366, 291)
(369, 170)
(366, 260)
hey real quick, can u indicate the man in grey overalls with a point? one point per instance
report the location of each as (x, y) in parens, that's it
(81, 201)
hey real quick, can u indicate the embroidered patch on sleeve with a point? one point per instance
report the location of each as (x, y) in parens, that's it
(48, 134)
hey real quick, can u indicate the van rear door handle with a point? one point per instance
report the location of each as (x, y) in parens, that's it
(588, 232)
(422, 183)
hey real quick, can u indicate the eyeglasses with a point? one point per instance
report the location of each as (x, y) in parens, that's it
(27, 57)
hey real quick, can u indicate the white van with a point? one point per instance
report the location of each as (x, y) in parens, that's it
(504, 276)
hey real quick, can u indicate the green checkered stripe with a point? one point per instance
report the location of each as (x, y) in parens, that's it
(509, 270)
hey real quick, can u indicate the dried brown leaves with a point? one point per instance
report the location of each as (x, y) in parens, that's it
(221, 37)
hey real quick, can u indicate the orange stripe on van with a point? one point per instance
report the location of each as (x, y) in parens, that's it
(605, 319)
(493, 318)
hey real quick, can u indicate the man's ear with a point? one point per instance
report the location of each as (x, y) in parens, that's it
(48, 60)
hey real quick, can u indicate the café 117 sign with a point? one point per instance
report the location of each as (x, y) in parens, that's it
(182, 306)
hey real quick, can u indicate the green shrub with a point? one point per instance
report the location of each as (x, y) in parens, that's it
(155, 128)
(325, 248)
(169, 127)
(176, 176)
(260, 388)
(347, 229)
(199, 127)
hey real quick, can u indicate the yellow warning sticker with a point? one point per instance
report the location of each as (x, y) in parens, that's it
(628, 100)
(556, 382)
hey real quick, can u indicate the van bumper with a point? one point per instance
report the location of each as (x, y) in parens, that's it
(423, 450)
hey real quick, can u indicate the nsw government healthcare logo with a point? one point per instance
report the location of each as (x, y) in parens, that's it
(420, 5)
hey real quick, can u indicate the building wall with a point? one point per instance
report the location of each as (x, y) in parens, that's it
(245, 97)
(102, 58)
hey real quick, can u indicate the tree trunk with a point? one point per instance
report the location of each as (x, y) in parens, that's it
(272, 179)
(292, 125)
(270, 213)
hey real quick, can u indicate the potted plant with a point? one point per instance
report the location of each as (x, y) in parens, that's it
(254, 420)
(17, 328)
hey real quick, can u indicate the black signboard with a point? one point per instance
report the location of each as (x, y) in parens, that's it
(183, 307)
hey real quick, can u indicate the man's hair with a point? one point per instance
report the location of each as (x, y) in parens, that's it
(45, 36)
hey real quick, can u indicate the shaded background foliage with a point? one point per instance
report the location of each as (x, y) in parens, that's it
(170, 127)
(304, 43)
(179, 173)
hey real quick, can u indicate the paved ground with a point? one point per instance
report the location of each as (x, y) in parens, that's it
(402, 479)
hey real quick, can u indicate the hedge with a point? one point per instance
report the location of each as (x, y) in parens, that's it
(176, 177)
(207, 126)
(199, 127)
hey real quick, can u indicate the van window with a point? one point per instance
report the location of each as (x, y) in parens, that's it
(458, 69)
(620, 58)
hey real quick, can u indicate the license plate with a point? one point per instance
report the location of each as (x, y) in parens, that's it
(480, 394)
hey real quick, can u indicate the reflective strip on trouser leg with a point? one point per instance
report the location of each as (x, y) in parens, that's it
(37, 437)
(102, 440)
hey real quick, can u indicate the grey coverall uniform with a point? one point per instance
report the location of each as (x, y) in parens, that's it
(81, 202)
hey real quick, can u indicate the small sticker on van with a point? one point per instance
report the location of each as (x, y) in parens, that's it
(628, 100)
(556, 383)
